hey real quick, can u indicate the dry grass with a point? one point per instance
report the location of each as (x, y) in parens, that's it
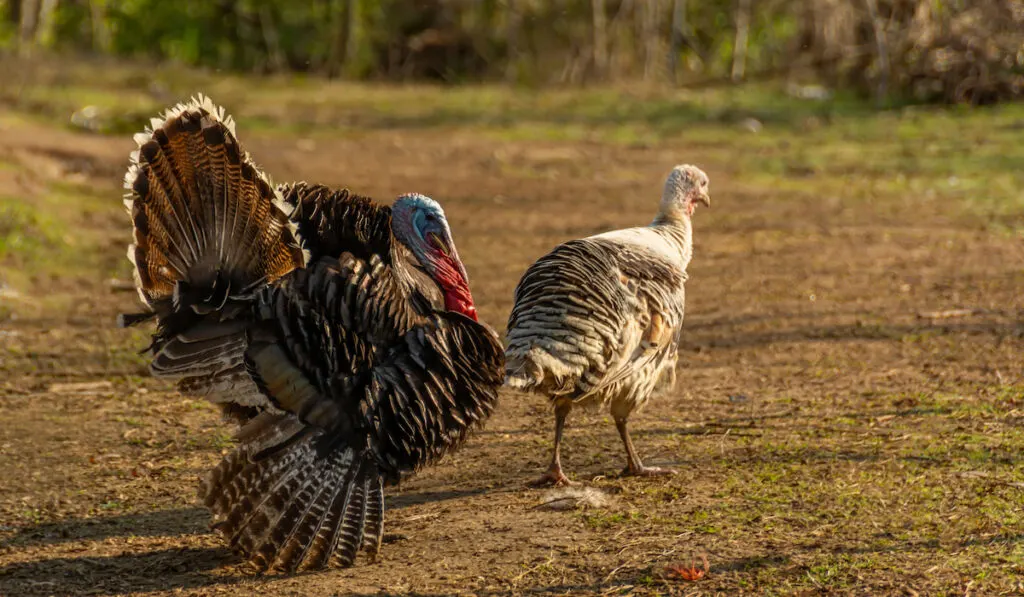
(830, 438)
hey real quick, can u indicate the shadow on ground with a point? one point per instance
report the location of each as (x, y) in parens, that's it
(109, 575)
(174, 522)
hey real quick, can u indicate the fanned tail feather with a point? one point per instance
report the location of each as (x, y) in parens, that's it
(208, 223)
(209, 231)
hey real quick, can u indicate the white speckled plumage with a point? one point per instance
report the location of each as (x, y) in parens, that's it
(598, 320)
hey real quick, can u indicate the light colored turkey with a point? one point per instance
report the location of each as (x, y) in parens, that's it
(340, 334)
(597, 320)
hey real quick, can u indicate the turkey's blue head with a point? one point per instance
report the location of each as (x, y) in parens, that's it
(418, 222)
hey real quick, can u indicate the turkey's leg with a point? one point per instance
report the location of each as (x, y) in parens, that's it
(554, 475)
(635, 468)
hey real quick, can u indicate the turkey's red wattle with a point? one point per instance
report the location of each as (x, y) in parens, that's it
(460, 302)
(457, 297)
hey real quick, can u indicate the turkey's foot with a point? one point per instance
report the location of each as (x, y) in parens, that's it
(647, 471)
(552, 478)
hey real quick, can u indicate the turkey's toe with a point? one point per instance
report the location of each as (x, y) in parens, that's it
(552, 479)
(648, 471)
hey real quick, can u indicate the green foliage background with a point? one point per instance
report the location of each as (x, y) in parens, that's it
(930, 50)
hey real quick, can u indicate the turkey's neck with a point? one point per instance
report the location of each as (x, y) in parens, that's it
(676, 227)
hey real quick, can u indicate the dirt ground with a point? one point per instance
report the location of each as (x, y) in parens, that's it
(836, 427)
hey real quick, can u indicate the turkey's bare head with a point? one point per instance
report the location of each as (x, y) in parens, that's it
(419, 223)
(685, 187)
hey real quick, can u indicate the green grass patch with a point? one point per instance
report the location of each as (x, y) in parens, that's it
(26, 232)
(44, 237)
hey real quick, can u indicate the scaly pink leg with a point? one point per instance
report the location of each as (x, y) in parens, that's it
(635, 468)
(554, 476)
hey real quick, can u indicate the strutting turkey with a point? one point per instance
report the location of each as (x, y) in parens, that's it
(597, 320)
(340, 334)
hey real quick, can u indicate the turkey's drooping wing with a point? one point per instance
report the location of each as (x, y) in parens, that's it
(306, 504)
(303, 489)
(657, 282)
(336, 221)
(439, 382)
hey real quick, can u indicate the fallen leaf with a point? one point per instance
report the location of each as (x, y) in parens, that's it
(690, 574)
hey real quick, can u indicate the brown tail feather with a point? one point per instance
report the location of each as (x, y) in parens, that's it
(208, 222)
(301, 506)
(373, 533)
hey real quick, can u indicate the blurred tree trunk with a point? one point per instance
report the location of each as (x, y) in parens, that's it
(739, 48)
(271, 39)
(353, 30)
(28, 15)
(578, 53)
(101, 40)
(513, 25)
(650, 15)
(881, 51)
(46, 22)
(676, 44)
(341, 22)
(600, 38)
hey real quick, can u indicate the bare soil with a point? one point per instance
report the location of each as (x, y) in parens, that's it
(837, 429)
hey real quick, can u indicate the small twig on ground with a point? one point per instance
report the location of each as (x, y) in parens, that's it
(80, 387)
(949, 313)
(616, 571)
(428, 515)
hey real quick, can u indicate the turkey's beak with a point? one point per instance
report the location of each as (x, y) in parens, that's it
(704, 198)
(438, 243)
